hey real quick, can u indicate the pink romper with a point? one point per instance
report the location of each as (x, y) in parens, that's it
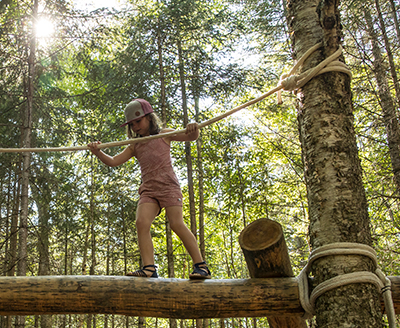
(159, 182)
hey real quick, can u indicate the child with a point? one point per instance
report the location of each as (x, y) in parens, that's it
(160, 187)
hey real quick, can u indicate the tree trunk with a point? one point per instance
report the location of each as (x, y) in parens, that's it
(170, 250)
(88, 229)
(205, 322)
(6, 321)
(168, 231)
(389, 52)
(336, 198)
(201, 186)
(162, 76)
(170, 259)
(386, 101)
(26, 158)
(396, 21)
(124, 234)
(66, 244)
(14, 223)
(141, 322)
(42, 199)
(242, 190)
(108, 255)
(188, 153)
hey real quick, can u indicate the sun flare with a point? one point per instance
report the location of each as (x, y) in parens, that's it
(44, 28)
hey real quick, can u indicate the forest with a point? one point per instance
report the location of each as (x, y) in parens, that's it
(67, 72)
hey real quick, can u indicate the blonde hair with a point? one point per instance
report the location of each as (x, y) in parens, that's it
(154, 128)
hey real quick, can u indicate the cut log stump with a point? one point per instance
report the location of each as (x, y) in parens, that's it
(264, 248)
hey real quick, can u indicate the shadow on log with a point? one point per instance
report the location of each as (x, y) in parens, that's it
(266, 254)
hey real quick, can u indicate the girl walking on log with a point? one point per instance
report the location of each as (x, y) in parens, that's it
(160, 187)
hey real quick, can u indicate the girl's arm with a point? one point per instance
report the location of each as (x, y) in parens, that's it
(118, 159)
(192, 133)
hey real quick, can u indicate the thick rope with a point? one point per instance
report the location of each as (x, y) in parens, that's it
(292, 82)
(378, 278)
(288, 82)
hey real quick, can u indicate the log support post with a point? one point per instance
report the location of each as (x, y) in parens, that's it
(264, 248)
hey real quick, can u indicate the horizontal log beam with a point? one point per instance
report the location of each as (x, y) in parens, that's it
(163, 298)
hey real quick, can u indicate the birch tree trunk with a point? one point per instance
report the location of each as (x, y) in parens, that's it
(336, 197)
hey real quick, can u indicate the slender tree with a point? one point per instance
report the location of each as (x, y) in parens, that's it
(389, 51)
(386, 101)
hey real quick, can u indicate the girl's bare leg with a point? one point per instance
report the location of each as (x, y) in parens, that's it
(175, 218)
(145, 215)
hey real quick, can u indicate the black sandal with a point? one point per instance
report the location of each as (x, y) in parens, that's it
(141, 273)
(200, 271)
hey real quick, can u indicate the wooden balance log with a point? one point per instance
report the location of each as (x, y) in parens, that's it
(149, 297)
(264, 248)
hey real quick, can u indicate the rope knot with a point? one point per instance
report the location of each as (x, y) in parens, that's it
(289, 83)
(292, 82)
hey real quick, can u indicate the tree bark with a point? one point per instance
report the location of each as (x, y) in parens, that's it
(336, 198)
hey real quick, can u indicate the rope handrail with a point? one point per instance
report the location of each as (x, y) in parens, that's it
(287, 82)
